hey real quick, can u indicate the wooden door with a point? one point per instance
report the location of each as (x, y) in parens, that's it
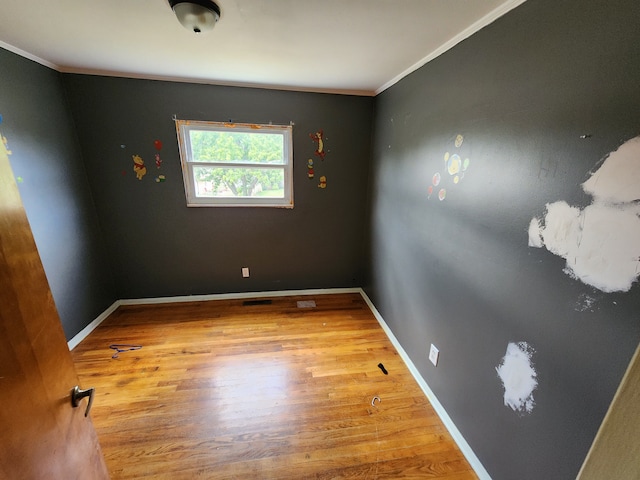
(41, 435)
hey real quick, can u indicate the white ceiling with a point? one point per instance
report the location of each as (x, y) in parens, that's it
(341, 46)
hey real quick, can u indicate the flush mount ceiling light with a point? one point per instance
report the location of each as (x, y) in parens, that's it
(196, 15)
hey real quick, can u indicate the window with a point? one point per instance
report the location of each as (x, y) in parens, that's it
(233, 164)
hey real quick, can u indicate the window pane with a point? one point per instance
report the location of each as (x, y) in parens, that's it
(231, 165)
(238, 182)
(214, 146)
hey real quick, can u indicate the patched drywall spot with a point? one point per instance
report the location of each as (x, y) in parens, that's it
(518, 376)
(618, 179)
(535, 233)
(601, 243)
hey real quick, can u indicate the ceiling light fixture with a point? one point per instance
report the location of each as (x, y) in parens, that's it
(196, 15)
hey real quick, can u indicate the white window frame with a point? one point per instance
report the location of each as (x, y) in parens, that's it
(183, 127)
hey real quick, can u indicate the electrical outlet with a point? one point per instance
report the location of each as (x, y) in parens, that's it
(434, 353)
(245, 272)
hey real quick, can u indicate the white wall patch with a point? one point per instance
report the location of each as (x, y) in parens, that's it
(600, 243)
(518, 376)
(618, 178)
(535, 233)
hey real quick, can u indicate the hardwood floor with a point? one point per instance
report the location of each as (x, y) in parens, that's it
(226, 391)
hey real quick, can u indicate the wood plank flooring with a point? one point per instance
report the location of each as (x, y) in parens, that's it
(227, 391)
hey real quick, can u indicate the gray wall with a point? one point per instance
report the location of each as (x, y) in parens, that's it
(459, 273)
(54, 190)
(160, 247)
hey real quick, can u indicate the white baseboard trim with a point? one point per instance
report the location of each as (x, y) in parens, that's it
(84, 333)
(437, 406)
(465, 448)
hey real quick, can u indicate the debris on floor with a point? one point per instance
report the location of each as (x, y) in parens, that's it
(119, 348)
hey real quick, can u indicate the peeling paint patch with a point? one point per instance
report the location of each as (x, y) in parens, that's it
(535, 233)
(519, 378)
(601, 243)
(618, 179)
